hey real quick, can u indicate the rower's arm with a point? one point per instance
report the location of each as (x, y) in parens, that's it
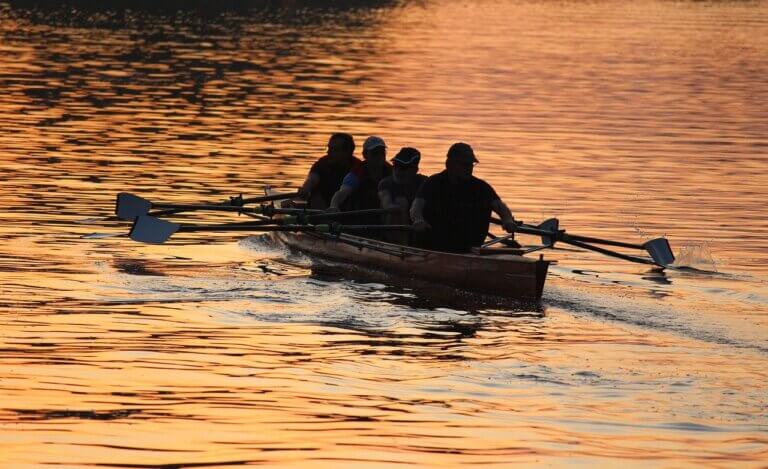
(417, 210)
(340, 196)
(507, 220)
(385, 200)
(309, 184)
(417, 215)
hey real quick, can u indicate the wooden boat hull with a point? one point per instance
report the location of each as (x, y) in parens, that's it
(505, 275)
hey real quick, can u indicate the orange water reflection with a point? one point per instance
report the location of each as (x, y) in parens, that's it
(625, 120)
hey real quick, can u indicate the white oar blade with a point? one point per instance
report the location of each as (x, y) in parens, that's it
(660, 251)
(152, 230)
(130, 206)
(552, 225)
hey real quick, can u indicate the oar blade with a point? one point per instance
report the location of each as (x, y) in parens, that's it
(552, 225)
(660, 251)
(129, 206)
(152, 230)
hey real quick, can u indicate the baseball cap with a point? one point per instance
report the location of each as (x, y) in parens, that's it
(407, 156)
(373, 142)
(462, 152)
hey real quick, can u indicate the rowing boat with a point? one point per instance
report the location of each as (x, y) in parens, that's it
(499, 272)
(504, 274)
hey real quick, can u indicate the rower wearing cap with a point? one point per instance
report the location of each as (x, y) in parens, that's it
(359, 190)
(326, 175)
(399, 191)
(453, 208)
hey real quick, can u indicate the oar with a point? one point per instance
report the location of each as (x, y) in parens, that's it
(295, 216)
(351, 213)
(153, 230)
(657, 248)
(129, 206)
(302, 216)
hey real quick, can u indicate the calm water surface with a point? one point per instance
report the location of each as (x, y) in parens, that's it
(626, 120)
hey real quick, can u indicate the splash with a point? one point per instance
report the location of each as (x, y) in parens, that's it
(697, 256)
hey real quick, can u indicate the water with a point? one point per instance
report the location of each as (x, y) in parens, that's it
(627, 120)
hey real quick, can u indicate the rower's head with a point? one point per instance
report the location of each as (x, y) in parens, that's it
(341, 145)
(460, 160)
(374, 149)
(405, 165)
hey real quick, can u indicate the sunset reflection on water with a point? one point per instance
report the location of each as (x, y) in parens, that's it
(626, 120)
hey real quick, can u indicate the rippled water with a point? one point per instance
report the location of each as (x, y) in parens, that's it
(626, 120)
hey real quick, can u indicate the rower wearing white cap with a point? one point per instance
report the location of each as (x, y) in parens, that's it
(359, 190)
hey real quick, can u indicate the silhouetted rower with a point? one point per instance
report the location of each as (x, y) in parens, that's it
(399, 191)
(360, 188)
(326, 174)
(453, 208)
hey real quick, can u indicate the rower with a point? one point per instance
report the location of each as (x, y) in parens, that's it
(326, 174)
(399, 190)
(453, 208)
(359, 190)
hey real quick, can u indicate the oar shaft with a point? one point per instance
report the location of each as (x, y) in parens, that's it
(352, 213)
(375, 227)
(218, 208)
(324, 228)
(129, 206)
(269, 210)
(528, 229)
(533, 231)
(607, 242)
(269, 198)
(248, 227)
(607, 252)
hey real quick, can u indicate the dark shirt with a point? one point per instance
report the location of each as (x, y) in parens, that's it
(397, 190)
(331, 174)
(407, 191)
(365, 187)
(458, 210)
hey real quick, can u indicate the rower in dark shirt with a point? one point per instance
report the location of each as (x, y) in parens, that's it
(399, 191)
(359, 190)
(453, 208)
(326, 175)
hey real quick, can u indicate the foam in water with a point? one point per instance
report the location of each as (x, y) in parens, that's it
(696, 255)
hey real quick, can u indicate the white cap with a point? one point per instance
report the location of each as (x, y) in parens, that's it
(373, 142)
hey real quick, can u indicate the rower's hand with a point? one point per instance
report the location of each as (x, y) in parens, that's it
(421, 226)
(509, 225)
